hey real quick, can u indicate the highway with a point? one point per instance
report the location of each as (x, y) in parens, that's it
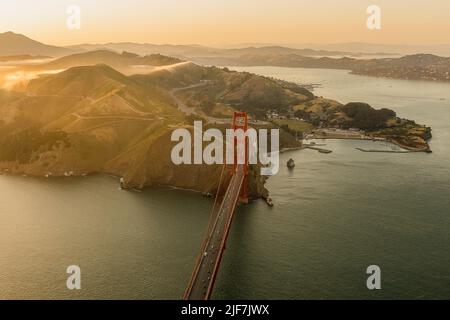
(208, 262)
(183, 107)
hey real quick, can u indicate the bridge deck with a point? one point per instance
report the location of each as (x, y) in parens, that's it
(205, 272)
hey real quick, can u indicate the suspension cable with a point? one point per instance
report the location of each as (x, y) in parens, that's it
(218, 188)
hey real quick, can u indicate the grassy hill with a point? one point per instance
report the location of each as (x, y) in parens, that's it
(96, 109)
(93, 118)
(111, 58)
(239, 90)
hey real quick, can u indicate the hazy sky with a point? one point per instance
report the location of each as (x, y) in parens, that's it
(228, 21)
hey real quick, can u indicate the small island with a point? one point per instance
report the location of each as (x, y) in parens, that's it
(291, 164)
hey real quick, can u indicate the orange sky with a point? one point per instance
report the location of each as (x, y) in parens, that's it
(228, 21)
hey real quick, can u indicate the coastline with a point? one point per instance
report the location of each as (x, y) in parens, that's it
(284, 150)
(7, 173)
(338, 136)
(349, 70)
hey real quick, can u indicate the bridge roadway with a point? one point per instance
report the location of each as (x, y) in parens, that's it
(205, 272)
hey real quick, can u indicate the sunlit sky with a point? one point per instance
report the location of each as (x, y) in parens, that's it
(228, 21)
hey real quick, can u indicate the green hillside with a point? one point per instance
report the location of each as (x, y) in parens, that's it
(94, 118)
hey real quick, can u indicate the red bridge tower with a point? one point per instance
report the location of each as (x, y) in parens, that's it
(240, 121)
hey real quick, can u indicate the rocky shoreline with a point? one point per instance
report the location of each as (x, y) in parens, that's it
(202, 180)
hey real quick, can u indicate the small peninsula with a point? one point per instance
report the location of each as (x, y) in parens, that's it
(94, 118)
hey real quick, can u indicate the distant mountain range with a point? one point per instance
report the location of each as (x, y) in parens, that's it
(411, 67)
(16, 44)
(197, 51)
(366, 49)
(125, 57)
(13, 44)
(374, 48)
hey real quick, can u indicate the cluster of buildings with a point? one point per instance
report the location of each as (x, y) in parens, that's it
(274, 115)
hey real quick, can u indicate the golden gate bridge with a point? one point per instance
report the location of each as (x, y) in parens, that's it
(207, 266)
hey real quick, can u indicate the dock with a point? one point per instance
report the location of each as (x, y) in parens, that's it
(385, 151)
(321, 150)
